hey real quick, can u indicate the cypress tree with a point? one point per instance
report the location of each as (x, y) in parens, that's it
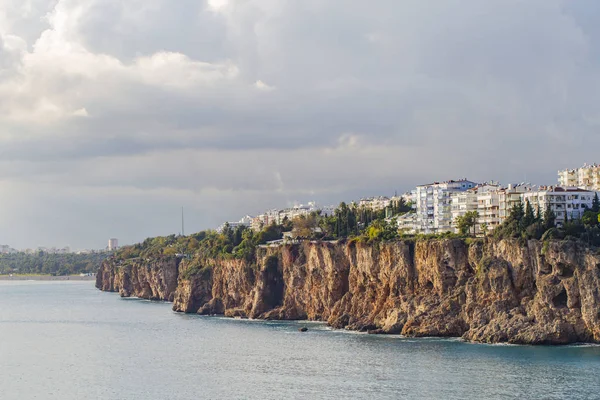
(596, 203)
(529, 217)
(516, 213)
(348, 225)
(549, 218)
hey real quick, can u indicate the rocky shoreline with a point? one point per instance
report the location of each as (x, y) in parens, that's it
(483, 291)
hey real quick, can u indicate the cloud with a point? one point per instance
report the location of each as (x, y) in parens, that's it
(82, 112)
(217, 5)
(260, 85)
(134, 108)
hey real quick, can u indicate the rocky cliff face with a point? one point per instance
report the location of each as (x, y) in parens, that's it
(485, 291)
(152, 280)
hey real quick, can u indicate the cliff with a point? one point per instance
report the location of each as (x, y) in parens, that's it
(485, 291)
(146, 279)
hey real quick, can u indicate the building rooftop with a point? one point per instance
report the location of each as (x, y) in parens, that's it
(585, 166)
(446, 182)
(562, 189)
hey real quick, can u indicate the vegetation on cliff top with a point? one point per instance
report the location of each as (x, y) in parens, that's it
(358, 225)
(523, 223)
(241, 242)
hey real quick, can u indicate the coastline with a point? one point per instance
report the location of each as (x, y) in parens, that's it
(488, 291)
(46, 278)
(328, 328)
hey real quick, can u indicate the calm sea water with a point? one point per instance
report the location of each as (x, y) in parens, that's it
(67, 340)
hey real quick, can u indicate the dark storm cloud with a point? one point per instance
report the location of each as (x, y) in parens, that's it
(230, 106)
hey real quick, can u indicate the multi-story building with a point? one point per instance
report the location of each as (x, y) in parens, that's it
(265, 219)
(407, 197)
(245, 221)
(568, 178)
(463, 202)
(566, 203)
(488, 209)
(113, 244)
(484, 199)
(433, 205)
(511, 196)
(257, 223)
(279, 216)
(586, 177)
(406, 222)
(297, 211)
(375, 203)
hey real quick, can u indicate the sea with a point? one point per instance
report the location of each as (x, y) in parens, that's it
(67, 340)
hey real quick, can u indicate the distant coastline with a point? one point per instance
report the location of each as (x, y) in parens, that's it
(46, 278)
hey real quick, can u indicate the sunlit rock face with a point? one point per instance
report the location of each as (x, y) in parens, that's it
(483, 291)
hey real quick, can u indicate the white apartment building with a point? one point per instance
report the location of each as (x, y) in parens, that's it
(278, 216)
(433, 205)
(257, 222)
(485, 199)
(586, 177)
(266, 219)
(245, 221)
(113, 244)
(511, 196)
(564, 202)
(438, 205)
(406, 222)
(375, 203)
(463, 202)
(488, 208)
(297, 211)
(407, 197)
(327, 210)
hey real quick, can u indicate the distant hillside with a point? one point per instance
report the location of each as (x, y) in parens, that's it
(51, 264)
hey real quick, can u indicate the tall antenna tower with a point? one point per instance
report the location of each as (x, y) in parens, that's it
(182, 224)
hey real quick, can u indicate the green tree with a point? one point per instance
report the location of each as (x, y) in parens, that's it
(529, 217)
(466, 222)
(590, 218)
(304, 226)
(287, 224)
(228, 231)
(400, 206)
(271, 232)
(517, 213)
(596, 203)
(549, 218)
(484, 228)
(382, 230)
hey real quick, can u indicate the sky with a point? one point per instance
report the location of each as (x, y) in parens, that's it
(115, 114)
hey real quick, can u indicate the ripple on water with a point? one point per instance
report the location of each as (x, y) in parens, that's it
(65, 341)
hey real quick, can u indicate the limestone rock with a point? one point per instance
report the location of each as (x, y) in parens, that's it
(485, 291)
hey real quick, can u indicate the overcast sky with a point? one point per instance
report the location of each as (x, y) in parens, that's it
(115, 113)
